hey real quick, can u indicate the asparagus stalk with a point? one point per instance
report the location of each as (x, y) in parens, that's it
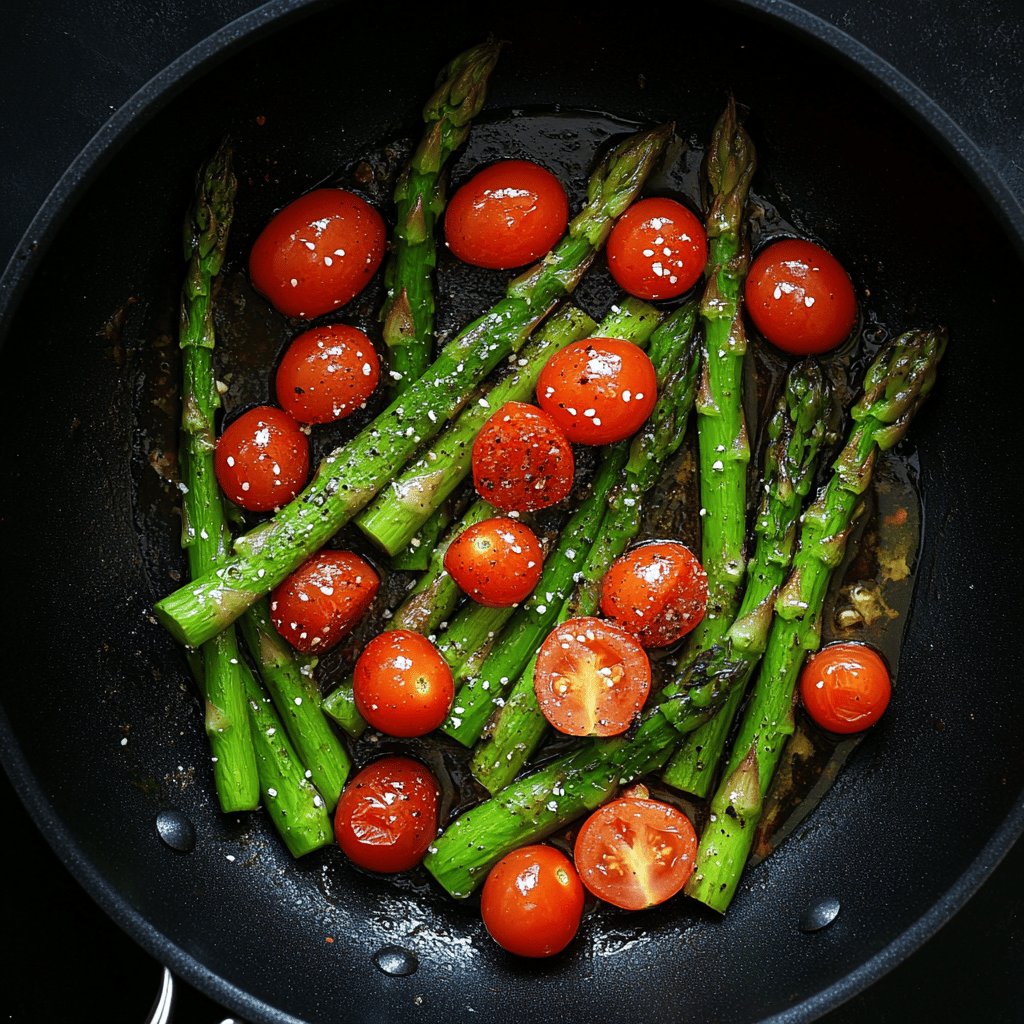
(897, 382)
(205, 535)
(408, 312)
(416, 556)
(351, 476)
(520, 725)
(393, 519)
(718, 678)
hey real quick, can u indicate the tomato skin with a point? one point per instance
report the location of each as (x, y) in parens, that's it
(635, 852)
(598, 390)
(506, 215)
(591, 678)
(326, 374)
(657, 591)
(387, 815)
(330, 242)
(657, 249)
(532, 901)
(320, 603)
(800, 297)
(845, 687)
(262, 459)
(522, 461)
(402, 685)
(497, 562)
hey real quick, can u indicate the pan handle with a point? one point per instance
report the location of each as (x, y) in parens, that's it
(163, 1007)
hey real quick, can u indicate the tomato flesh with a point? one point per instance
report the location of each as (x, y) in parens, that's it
(497, 562)
(845, 687)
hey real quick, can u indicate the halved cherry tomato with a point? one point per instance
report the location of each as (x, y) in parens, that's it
(635, 852)
(506, 215)
(598, 390)
(591, 678)
(327, 373)
(522, 461)
(323, 600)
(497, 561)
(262, 459)
(388, 815)
(402, 685)
(845, 687)
(800, 297)
(318, 253)
(658, 592)
(532, 901)
(657, 249)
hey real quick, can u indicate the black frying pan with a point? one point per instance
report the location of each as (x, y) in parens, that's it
(881, 841)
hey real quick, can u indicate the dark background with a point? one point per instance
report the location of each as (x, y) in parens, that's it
(63, 959)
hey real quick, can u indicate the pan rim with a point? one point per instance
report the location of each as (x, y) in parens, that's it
(161, 89)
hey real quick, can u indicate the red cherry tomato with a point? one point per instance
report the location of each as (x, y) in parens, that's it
(845, 687)
(388, 815)
(402, 685)
(657, 249)
(635, 852)
(497, 561)
(598, 390)
(591, 678)
(506, 215)
(323, 600)
(532, 901)
(262, 459)
(522, 461)
(800, 297)
(658, 592)
(318, 253)
(327, 373)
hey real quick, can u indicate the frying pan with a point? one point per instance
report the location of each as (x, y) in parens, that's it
(251, 931)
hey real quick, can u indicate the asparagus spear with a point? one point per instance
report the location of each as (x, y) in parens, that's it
(416, 555)
(796, 434)
(896, 384)
(205, 535)
(408, 312)
(520, 725)
(349, 478)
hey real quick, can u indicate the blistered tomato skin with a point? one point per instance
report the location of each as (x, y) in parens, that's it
(598, 390)
(388, 815)
(317, 253)
(845, 687)
(507, 215)
(800, 297)
(327, 373)
(657, 249)
(320, 603)
(262, 459)
(496, 562)
(532, 901)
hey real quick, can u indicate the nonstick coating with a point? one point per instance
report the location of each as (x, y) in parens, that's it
(102, 728)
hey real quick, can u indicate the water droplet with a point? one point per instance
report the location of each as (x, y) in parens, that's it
(819, 915)
(396, 961)
(176, 831)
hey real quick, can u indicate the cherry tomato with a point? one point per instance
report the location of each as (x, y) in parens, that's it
(388, 815)
(318, 253)
(327, 373)
(591, 678)
(800, 297)
(658, 592)
(532, 901)
(262, 459)
(657, 249)
(522, 461)
(323, 600)
(635, 852)
(402, 685)
(506, 215)
(497, 561)
(598, 390)
(845, 687)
